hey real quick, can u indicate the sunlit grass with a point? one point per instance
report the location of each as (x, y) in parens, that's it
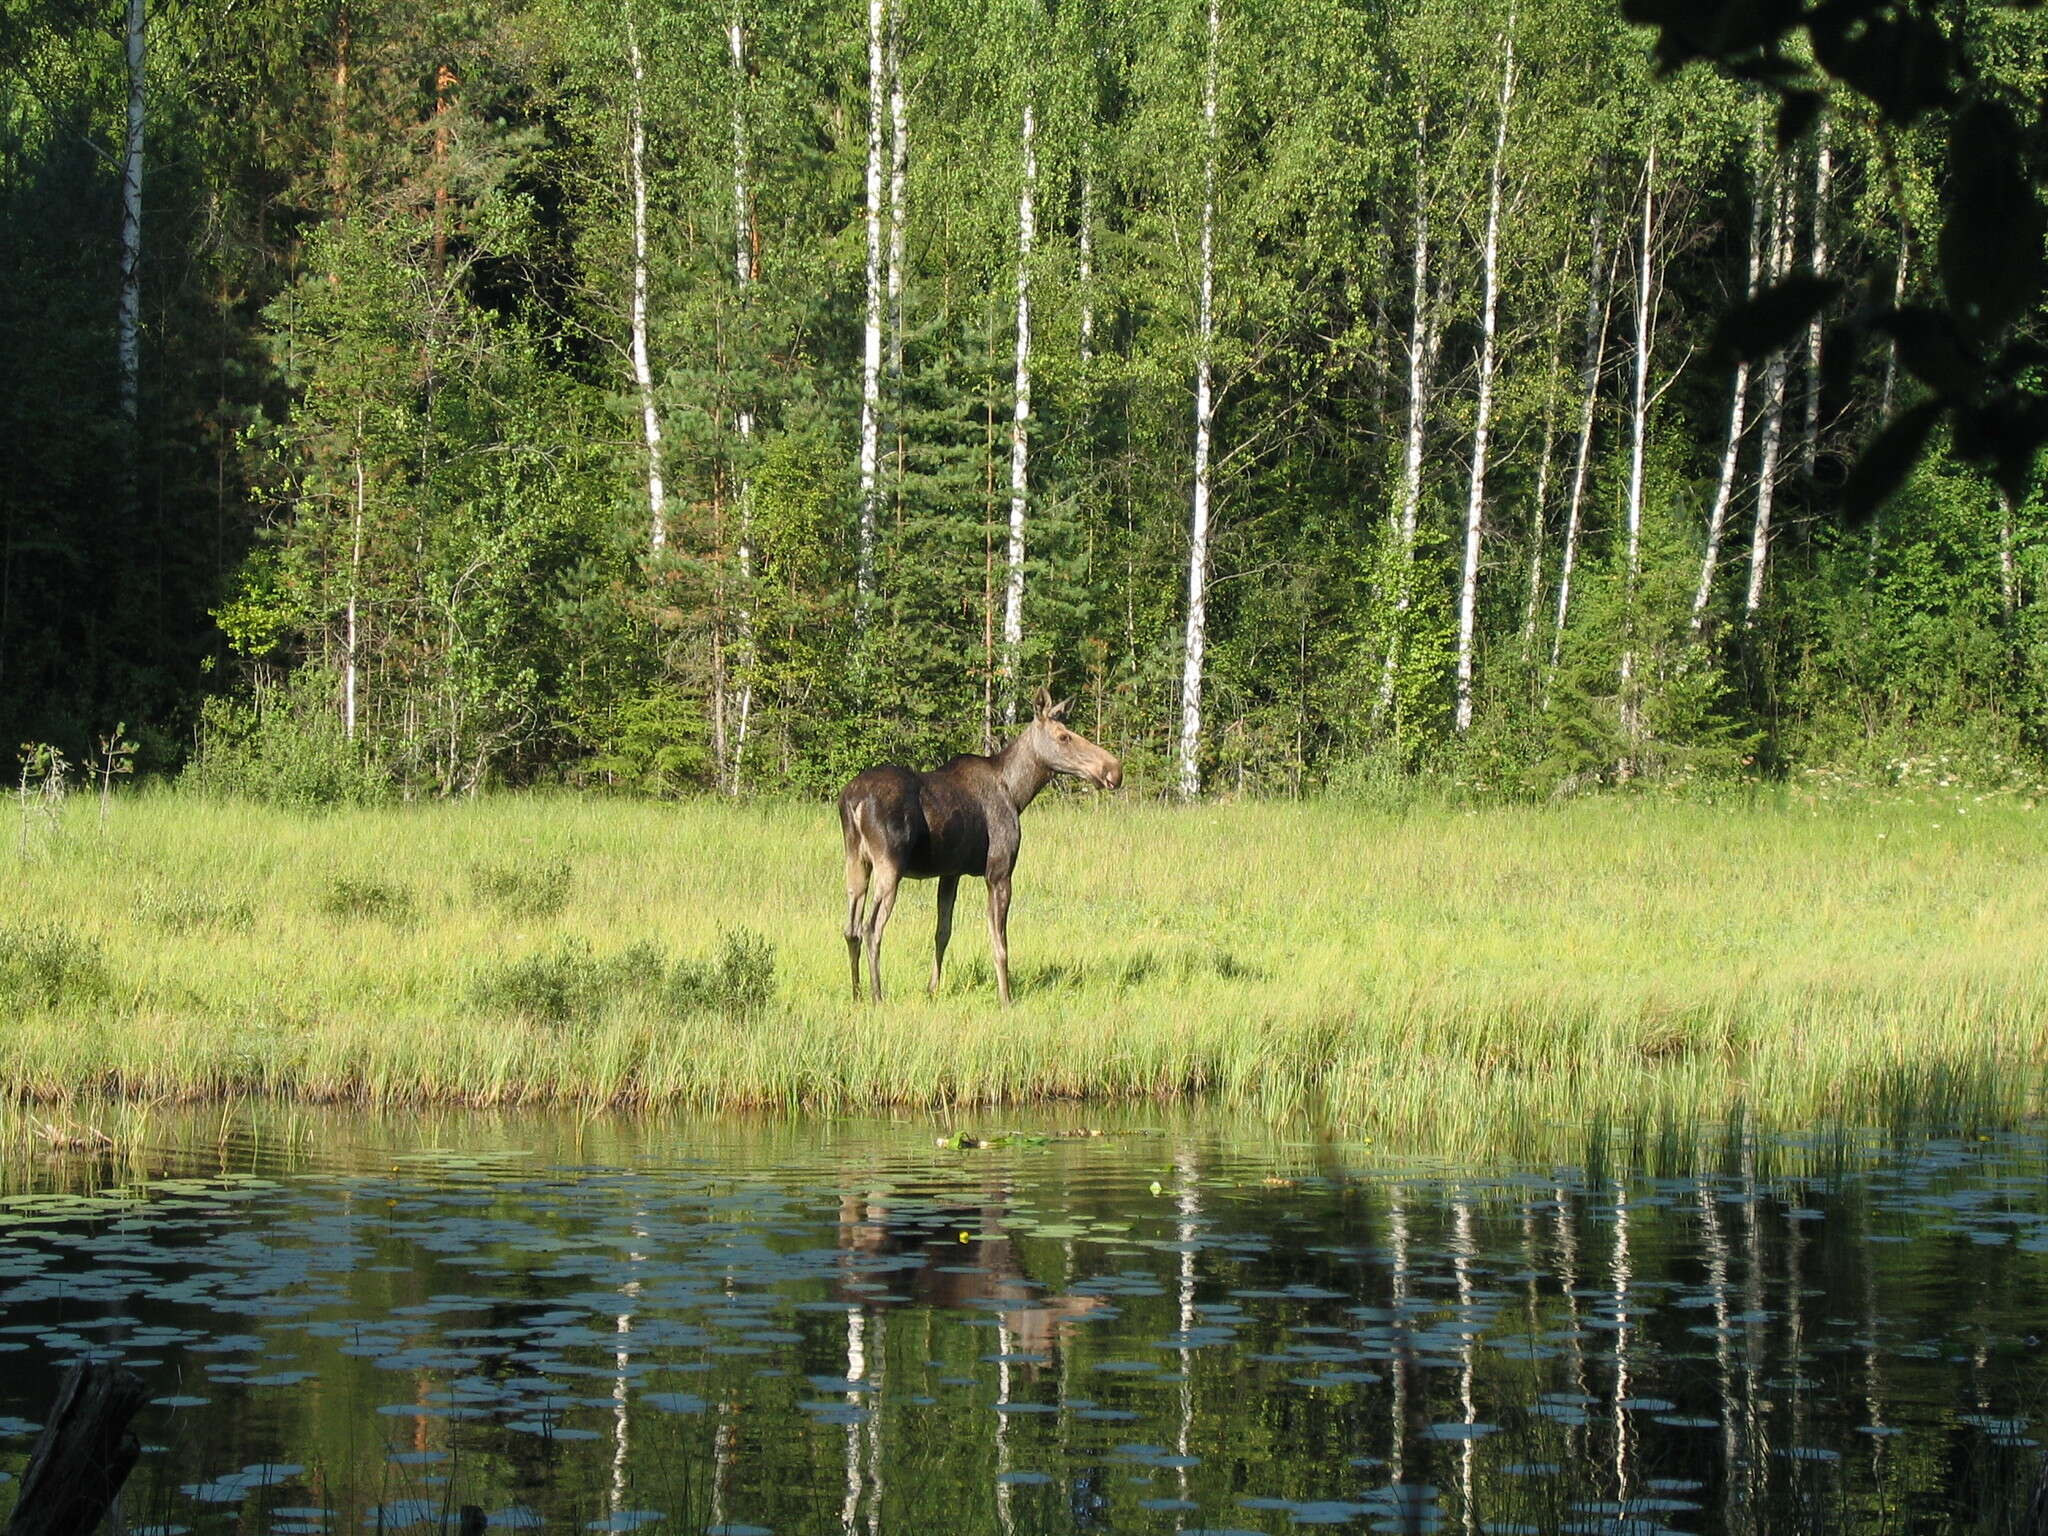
(1460, 972)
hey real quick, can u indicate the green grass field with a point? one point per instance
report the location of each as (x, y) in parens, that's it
(1442, 972)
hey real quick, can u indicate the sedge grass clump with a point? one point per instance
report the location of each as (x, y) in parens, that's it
(519, 891)
(47, 965)
(568, 983)
(367, 897)
(176, 909)
(738, 983)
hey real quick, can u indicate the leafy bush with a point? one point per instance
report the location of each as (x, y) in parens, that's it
(187, 911)
(284, 746)
(738, 983)
(368, 897)
(45, 964)
(521, 892)
(569, 983)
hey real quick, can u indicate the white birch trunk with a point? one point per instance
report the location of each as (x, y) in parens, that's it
(1599, 304)
(350, 670)
(1020, 427)
(899, 178)
(1823, 177)
(643, 371)
(1724, 487)
(128, 324)
(2008, 565)
(1198, 528)
(871, 350)
(743, 277)
(1087, 284)
(1639, 432)
(1774, 416)
(1475, 505)
(1421, 350)
(1891, 356)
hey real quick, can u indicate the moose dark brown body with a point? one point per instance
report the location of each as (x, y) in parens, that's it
(959, 819)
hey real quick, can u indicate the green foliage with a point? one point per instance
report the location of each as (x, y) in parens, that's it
(520, 890)
(194, 909)
(284, 746)
(50, 965)
(570, 983)
(368, 898)
(656, 743)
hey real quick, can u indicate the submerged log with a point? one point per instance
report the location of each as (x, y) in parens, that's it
(83, 1455)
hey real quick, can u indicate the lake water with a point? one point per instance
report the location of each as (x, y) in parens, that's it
(1182, 1326)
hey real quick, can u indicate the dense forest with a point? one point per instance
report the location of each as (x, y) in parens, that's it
(410, 397)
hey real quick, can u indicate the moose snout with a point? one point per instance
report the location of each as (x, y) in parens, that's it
(1112, 774)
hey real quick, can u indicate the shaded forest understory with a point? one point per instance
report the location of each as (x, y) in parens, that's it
(409, 398)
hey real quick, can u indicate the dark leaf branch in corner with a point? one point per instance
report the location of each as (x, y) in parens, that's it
(1981, 372)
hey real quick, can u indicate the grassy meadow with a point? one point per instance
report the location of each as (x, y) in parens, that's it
(1433, 971)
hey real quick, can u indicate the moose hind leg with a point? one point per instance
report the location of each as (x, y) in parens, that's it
(878, 919)
(856, 898)
(999, 931)
(949, 887)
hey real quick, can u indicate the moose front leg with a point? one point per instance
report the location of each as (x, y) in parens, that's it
(949, 888)
(999, 931)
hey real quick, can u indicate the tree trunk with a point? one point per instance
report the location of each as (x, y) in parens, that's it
(743, 420)
(355, 582)
(1823, 177)
(1540, 505)
(1475, 505)
(643, 370)
(1020, 428)
(83, 1455)
(1639, 432)
(899, 179)
(444, 84)
(1421, 357)
(1724, 487)
(1599, 305)
(1774, 414)
(871, 349)
(128, 324)
(1190, 779)
(1087, 273)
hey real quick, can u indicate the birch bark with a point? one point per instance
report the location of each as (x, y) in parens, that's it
(643, 370)
(1599, 305)
(1421, 357)
(1087, 272)
(128, 323)
(1724, 487)
(1475, 505)
(1639, 431)
(743, 276)
(871, 348)
(1823, 177)
(1020, 426)
(1190, 779)
(1774, 415)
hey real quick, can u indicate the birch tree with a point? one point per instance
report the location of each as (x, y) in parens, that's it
(743, 418)
(1731, 455)
(1639, 430)
(1475, 506)
(1774, 407)
(643, 371)
(1599, 307)
(1020, 422)
(1422, 342)
(1823, 184)
(871, 333)
(1190, 770)
(128, 325)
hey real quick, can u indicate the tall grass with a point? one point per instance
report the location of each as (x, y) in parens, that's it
(1463, 971)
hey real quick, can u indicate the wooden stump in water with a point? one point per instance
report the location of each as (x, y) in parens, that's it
(83, 1455)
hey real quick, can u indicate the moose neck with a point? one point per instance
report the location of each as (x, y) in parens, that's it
(1022, 771)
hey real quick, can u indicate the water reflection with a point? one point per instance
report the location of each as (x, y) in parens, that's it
(850, 1331)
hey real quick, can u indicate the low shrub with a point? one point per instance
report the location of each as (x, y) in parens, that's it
(569, 983)
(367, 897)
(43, 965)
(518, 891)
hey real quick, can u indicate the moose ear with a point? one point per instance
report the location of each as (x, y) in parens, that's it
(1059, 710)
(1041, 704)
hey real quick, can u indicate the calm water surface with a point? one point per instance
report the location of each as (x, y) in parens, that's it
(1186, 1326)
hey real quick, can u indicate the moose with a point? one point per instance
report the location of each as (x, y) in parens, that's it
(959, 819)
